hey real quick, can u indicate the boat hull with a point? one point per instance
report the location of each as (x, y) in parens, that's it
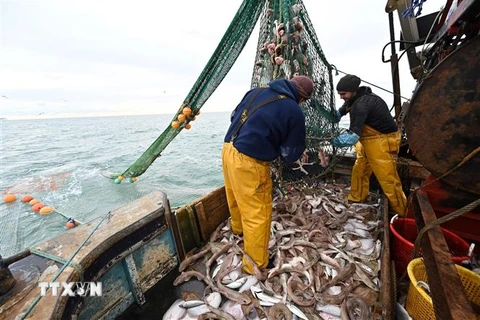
(129, 253)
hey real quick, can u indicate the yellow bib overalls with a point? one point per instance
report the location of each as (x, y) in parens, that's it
(378, 152)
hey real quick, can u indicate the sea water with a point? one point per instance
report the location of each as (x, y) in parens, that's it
(60, 162)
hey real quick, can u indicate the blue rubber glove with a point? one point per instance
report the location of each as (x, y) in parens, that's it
(346, 139)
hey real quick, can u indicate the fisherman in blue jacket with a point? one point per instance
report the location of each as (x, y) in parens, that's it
(376, 137)
(267, 123)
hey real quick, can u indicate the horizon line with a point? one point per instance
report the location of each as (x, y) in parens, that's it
(16, 118)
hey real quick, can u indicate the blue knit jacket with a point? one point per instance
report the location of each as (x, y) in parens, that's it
(275, 129)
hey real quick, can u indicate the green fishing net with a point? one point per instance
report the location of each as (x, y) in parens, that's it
(287, 45)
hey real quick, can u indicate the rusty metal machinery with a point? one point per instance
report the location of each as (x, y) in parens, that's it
(442, 122)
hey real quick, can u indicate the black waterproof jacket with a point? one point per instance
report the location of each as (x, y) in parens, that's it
(367, 108)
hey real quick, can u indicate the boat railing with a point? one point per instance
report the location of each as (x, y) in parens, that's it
(193, 223)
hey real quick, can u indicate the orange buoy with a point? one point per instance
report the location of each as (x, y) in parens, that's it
(45, 210)
(133, 179)
(187, 111)
(175, 124)
(120, 178)
(181, 117)
(33, 201)
(9, 198)
(37, 206)
(71, 223)
(188, 126)
(27, 198)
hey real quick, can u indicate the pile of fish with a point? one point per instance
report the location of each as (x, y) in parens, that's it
(325, 254)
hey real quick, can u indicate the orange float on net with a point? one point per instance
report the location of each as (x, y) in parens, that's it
(33, 202)
(181, 117)
(27, 198)
(46, 210)
(187, 111)
(9, 198)
(188, 126)
(37, 206)
(175, 124)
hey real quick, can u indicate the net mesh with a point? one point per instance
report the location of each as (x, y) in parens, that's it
(10, 241)
(287, 46)
(70, 194)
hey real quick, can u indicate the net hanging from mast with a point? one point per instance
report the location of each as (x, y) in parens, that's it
(287, 46)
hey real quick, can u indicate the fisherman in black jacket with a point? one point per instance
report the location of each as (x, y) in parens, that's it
(376, 137)
(267, 123)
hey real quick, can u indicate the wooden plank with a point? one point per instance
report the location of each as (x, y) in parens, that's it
(386, 292)
(414, 168)
(188, 233)
(172, 222)
(211, 210)
(133, 279)
(449, 297)
(155, 259)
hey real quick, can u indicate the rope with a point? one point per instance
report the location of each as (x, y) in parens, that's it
(67, 217)
(411, 44)
(467, 158)
(58, 259)
(398, 41)
(373, 85)
(37, 299)
(450, 216)
(428, 36)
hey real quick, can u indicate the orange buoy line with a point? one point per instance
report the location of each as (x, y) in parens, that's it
(41, 208)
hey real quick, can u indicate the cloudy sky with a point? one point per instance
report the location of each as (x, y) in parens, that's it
(91, 58)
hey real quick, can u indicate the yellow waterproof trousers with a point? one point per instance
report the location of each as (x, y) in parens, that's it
(378, 152)
(249, 194)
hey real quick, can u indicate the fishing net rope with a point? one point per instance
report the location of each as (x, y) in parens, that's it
(287, 46)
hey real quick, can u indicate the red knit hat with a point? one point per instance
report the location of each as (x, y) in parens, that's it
(304, 86)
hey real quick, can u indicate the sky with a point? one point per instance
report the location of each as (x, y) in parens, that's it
(98, 58)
